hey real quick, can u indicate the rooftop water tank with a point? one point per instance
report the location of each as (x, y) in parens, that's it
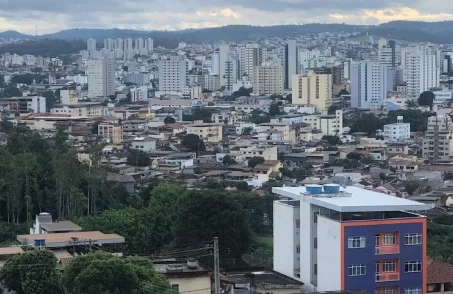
(313, 189)
(331, 188)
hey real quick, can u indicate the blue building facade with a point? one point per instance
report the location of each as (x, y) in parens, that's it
(385, 256)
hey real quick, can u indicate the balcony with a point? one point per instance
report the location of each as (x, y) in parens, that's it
(387, 277)
(387, 249)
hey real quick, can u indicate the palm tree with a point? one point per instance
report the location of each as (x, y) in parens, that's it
(410, 103)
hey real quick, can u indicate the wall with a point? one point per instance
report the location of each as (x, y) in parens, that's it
(199, 285)
(368, 257)
(285, 238)
(329, 254)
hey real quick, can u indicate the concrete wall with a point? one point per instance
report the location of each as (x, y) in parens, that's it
(329, 254)
(199, 285)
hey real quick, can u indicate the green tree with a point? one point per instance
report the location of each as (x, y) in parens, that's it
(332, 140)
(332, 109)
(274, 109)
(247, 131)
(367, 123)
(104, 273)
(193, 143)
(227, 160)
(354, 156)
(243, 186)
(426, 98)
(410, 104)
(169, 120)
(20, 273)
(138, 158)
(411, 186)
(205, 214)
(254, 161)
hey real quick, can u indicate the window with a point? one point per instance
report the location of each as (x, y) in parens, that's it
(298, 223)
(315, 243)
(356, 270)
(315, 268)
(298, 249)
(390, 239)
(389, 266)
(175, 288)
(356, 242)
(413, 239)
(315, 217)
(389, 291)
(413, 267)
(413, 291)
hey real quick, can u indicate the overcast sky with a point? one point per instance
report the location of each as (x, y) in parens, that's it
(54, 15)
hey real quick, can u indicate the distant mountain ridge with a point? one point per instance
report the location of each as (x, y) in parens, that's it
(412, 31)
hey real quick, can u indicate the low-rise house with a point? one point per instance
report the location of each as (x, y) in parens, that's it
(397, 148)
(299, 159)
(403, 165)
(439, 277)
(245, 153)
(44, 224)
(185, 276)
(127, 181)
(80, 109)
(112, 132)
(209, 132)
(146, 144)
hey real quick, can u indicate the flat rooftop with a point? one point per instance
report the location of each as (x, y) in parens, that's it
(58, 240)
(360, 200)
(62, 226)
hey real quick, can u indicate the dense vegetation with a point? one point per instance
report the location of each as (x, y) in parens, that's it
(44, 47)
(440, 238)
(35, 272)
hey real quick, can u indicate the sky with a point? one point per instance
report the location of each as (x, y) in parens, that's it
(55, 15)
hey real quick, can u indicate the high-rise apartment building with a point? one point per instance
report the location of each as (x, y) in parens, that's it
(421, 71)
(149, 45)
(215, 63)
(370, 83)
(268, 79)
(139, 44)
(91, 44)
(314, 88)
(173, 74)
(223, 56)
(350, 239)
(128, 44)
(389, 53)
(291, 62)
(232, 73)
(438, 141)
(119, 44)
(250, 56)
(101, 77)
(109, 44)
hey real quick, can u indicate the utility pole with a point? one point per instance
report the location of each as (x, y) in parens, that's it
(216, 266)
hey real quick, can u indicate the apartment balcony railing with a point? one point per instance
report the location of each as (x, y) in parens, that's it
(387, 277)
(387, 249)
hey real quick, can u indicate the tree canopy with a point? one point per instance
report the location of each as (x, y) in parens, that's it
(20, 273)
(138, 158)
(169, 120)
(193, 143)
(426, 98)
(254, 161)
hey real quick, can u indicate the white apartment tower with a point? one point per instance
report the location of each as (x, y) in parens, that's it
(149, 45)
(370, 83)
(215, 63)
(108, 44)
(232, 74)
(250, 56)
(119, 44)
(223, 56)
(438, 141)
(389, 53)
(268, 79)
(139, 44)
(291, 62)
(173, 74)
(422, 71)
(91, 44)
(128, 44)
(101, 77)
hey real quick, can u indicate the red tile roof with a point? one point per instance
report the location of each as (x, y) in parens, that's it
(439, 272)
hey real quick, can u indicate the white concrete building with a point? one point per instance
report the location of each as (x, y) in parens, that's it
(443, 97)
(128, 44)
(397, 132)
(173, 74)
(91, 44)
(231, 74)
(438, 141)
(145, 144)
(139, 94)
(370, 83)
(101, 77)
(329, 125)
(421, 71)
(223, 56)
(250, 56)
(291, 63)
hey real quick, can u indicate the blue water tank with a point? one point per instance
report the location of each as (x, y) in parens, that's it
(313, 189)
(40, 243)
(331, 188)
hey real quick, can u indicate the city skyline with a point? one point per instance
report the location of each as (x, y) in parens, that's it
(24, 16)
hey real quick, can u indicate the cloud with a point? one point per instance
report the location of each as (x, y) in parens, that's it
(54, 15)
